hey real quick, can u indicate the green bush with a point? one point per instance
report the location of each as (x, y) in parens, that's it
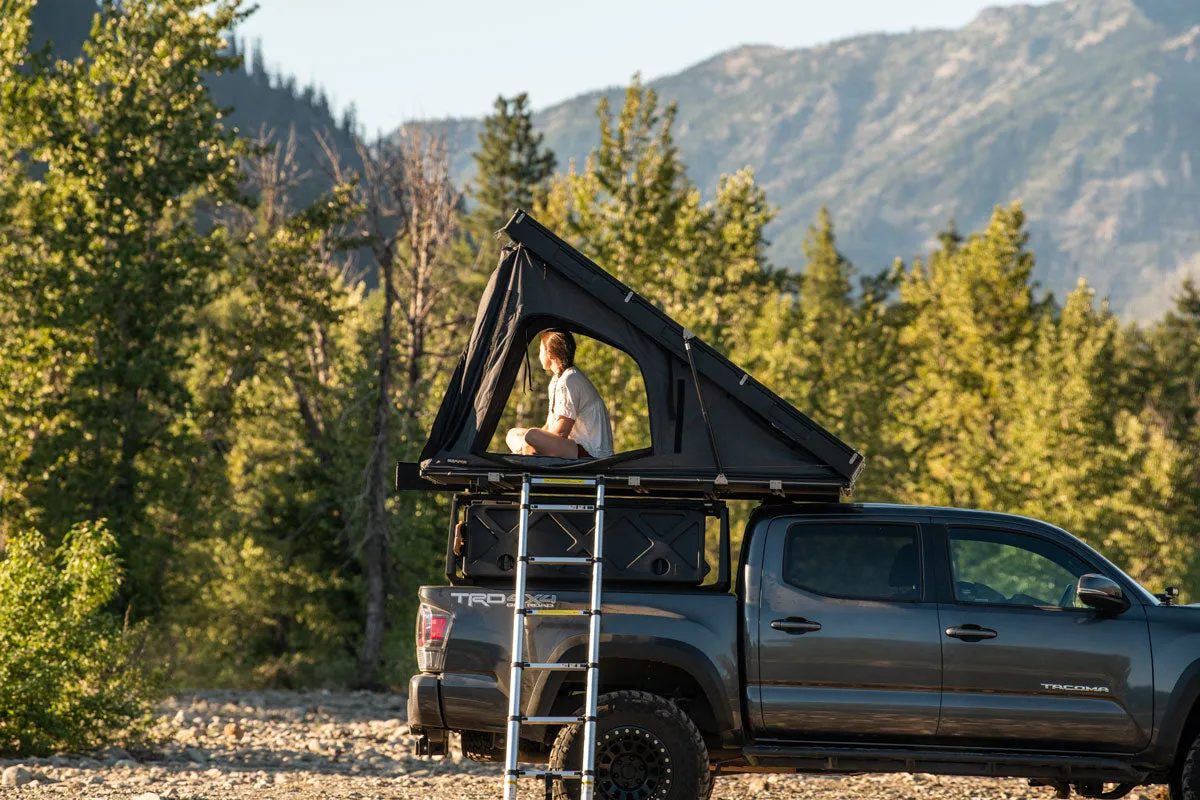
(70, 678)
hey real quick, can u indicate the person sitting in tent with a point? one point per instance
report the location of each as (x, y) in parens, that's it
(577, 425)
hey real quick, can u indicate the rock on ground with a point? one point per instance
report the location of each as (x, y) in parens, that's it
(355, 746)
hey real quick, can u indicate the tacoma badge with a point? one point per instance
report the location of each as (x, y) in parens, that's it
(1068, 687)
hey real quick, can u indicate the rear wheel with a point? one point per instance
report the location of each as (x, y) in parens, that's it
(647, 748)
(1185, 777)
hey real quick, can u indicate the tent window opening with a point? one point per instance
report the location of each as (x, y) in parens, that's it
(617, 380)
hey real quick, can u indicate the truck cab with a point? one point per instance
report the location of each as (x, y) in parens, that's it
(949, 627)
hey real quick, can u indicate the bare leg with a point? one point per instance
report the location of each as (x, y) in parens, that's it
(516, 439)
(544, 443)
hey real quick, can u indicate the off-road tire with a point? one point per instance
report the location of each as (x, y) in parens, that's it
(645, 735)
(1185, 777)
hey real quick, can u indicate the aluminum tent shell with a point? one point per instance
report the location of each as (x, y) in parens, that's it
(757, 444)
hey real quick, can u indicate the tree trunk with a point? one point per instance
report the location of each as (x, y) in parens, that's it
(376, 552)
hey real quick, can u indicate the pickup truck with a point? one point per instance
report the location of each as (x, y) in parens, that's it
(858, 638)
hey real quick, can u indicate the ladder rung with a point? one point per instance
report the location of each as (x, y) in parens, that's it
(560, 560)
(563, 481)
(550, 773)
(562, 507)
(552, 720)
(558, 612)
(554, 665)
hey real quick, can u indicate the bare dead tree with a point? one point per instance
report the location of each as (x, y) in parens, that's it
(409, 219)
(429, 212)
(383, 181)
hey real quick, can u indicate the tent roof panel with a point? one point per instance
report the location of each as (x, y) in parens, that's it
(752, 442)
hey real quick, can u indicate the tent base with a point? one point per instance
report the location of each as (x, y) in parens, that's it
(681, 485)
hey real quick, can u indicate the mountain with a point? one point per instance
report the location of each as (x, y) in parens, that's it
(262, 102)
(64, 23)
(1087, 110)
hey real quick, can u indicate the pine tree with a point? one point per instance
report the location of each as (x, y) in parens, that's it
(631, 202)
(512, 167)
(1165, 380)
(833, 352)
(350, 120)
(258, 62)
(970, 335)
(1171, 364)
(1089, 460)
(1065, 405)
(633, 210)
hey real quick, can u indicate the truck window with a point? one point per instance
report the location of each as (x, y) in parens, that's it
(1008, 568)
(854, 560)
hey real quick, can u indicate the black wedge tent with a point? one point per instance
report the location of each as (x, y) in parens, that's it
(714, 430)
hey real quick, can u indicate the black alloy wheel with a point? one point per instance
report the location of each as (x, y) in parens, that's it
(647, 748)
(632, 764)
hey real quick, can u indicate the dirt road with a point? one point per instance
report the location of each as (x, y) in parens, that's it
(355, 746)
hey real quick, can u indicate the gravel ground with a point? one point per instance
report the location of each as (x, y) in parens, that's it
(355, 746)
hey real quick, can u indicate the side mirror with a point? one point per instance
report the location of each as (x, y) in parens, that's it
(1101, 593)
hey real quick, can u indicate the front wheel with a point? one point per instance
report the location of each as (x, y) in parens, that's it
(1185, 777)
(647, 748)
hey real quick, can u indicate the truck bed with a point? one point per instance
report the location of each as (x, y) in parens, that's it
(664, 628)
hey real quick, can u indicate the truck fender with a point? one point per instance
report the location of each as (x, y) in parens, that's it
(684, 657)
(1178, 711)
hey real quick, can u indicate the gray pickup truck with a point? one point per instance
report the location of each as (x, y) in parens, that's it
(859, 638)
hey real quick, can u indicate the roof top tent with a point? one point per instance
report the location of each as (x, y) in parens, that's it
(714, 430)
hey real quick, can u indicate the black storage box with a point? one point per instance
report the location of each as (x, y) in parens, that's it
(661, 542)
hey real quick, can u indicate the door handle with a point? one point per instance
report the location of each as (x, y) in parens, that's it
(971, 633)
(795, 625)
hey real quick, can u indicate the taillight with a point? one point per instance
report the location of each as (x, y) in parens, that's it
(432, 627)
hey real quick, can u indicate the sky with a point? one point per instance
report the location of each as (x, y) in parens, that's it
(400, 60)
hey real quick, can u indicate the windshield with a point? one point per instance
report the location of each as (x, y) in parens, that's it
(1145, 594)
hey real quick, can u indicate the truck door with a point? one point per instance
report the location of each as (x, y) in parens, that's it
(847, 641)
(1027, 664)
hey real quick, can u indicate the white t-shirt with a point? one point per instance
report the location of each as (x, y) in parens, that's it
(573, 396)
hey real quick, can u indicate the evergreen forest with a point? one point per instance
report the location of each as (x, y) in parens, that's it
(210, 363)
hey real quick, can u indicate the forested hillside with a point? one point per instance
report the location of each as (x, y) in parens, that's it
(1086, 110)
(263, 101)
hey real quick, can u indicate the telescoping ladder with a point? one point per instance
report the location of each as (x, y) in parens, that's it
(587, 772)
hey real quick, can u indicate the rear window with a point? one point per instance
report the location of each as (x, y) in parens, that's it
(862, 561)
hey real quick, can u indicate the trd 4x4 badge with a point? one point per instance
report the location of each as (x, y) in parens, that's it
(489, 599)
